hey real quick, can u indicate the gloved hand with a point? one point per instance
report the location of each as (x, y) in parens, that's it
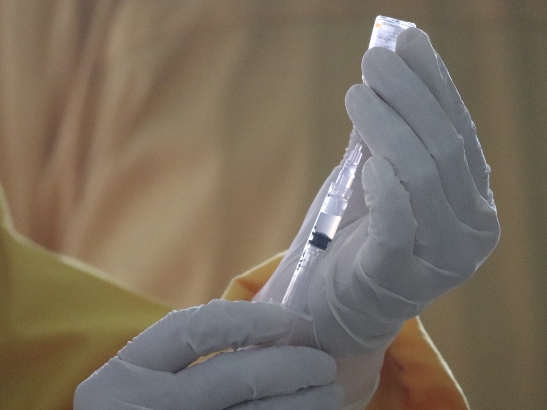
(420, 221)
(152, 371)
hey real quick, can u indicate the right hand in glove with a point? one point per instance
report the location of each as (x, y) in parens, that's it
(152, 371)
(421, 219)
(422, 216)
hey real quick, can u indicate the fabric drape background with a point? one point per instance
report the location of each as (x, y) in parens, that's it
(251, 94)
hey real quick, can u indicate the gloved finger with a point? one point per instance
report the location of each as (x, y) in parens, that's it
(414, 47)
(386, 253)
(389, 136)
(330, 397)
(391, 223)
(240, 376)
(389, 246)
(391, 230)
(183, 336)
(393, 81)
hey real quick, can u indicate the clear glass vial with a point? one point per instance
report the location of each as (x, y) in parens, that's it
(386, 30)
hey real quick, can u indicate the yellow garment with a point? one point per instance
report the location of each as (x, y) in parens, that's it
(61, 320)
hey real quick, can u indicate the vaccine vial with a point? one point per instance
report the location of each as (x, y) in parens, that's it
(386, 30)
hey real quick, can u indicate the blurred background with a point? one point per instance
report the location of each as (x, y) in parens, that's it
(238, 105)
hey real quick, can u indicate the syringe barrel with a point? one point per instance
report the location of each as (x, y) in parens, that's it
(297, 295)
(336, 201)
(332, 210)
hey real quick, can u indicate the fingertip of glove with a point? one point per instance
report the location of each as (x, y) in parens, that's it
(355, 97)
(331, 368)
(356, 88)
(379, 165)
(378, 172)
(373, 58)
(413, 44)
(412, 35)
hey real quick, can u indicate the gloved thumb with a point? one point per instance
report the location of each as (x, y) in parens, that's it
(183, 336)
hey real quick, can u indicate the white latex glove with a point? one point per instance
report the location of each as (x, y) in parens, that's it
(420, 221)
(152, 371)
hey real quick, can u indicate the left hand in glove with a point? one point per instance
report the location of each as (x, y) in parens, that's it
(153, 371)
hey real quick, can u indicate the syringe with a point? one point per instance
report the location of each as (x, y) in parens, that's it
(297, 295)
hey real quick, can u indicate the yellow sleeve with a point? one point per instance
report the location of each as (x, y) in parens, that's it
(414, 375)
(60, 320)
